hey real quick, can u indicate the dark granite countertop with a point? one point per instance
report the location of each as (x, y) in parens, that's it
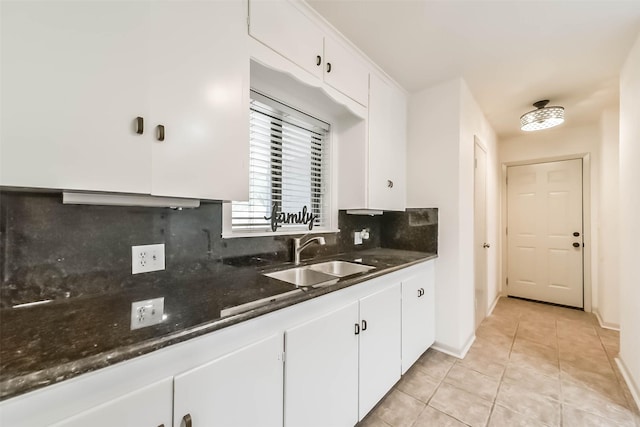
(45, 344)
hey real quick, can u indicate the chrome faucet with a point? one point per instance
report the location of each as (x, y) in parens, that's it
(298, 246)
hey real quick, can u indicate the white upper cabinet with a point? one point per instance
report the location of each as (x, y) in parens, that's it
(199, 93)
(283, 28)
(73, 82)
(280, 25)
(76, 75)
(373, 169)
(387, 146)
(345, 71)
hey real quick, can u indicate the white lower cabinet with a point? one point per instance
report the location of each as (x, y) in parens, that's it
(147, 407)
(379, 346)
(338, 366)
(321, 370)
(241, 389)
(418, 314)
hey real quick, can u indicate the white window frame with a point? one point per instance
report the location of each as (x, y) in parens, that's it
(331, 194)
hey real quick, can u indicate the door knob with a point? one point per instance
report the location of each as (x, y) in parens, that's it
(576, 244)
(486, 245)
(576, 234)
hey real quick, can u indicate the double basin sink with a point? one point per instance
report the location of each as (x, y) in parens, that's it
(307, 276)
(322, 274)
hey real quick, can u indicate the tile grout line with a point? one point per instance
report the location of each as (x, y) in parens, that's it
(495, 398)
(559, 374)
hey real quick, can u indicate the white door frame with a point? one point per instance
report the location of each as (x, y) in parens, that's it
(586, 200)
(478, 145)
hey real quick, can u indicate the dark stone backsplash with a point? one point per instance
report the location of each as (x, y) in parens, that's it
(51, 251)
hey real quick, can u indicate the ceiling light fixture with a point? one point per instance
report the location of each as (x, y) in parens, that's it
(542, 118)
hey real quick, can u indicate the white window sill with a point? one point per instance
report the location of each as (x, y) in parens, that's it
(233, 235)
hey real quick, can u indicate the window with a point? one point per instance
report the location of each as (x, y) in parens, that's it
(288, 171)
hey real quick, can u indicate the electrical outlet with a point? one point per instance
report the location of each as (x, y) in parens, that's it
(357, 238)
(147, 313)
(147, 258)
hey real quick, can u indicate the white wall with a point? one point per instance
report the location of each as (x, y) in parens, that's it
(629, 223)
(432, 181)
(474, 123)
(556, 143)
(442, 122)
(607, 303)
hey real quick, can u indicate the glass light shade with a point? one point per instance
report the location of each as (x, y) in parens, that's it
(542, 118)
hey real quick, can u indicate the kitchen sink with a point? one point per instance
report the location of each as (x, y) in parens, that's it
(340, 268)
(325, 273)
(302, 276)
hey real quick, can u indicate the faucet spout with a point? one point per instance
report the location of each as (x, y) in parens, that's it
(298, 246)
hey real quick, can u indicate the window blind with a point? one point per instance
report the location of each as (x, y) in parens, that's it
(288, 167)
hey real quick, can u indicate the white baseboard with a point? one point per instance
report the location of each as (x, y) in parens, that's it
(633, 387)
(605, 325)
(460, 353)
(493, 305)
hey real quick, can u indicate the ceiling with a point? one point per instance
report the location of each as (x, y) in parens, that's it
(510, 53)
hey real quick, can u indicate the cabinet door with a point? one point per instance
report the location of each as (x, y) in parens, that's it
(241, 389)
(387, 146)
(321, 371)
(148, 407)
(418, 316)
(285, 29)
(379, 346)
(345, 72)
(73, 82)
(200, 94)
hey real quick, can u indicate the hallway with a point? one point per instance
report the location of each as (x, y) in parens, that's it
(531, 365)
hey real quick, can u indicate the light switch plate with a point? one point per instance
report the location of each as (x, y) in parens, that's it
(147, 258)
(147, 313)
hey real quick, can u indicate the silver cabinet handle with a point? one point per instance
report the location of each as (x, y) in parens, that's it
(160, 132)
(186, 421)
(139, 125)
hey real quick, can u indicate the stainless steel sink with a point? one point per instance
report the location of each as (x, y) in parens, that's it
(325, 273)
(340, 268)
(302, 276)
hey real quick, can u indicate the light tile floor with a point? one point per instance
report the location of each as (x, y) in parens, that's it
(531, 365)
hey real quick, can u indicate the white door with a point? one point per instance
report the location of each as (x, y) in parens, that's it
(380, 358)
(481, 245)
(200, 94)
(321, 371)
(241, 389)
(544, 234)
